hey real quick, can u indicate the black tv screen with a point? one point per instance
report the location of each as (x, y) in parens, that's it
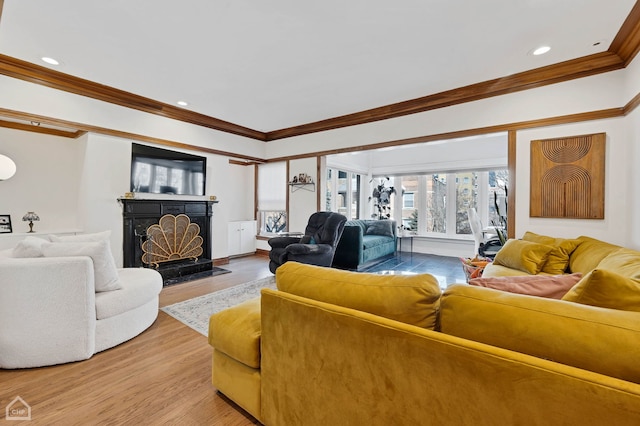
(161, 171)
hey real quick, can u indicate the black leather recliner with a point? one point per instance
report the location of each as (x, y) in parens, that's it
(316, 247)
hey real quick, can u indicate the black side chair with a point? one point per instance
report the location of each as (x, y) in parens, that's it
(316, 247)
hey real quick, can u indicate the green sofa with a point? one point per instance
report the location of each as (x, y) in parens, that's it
(334, 347)
(365, 242)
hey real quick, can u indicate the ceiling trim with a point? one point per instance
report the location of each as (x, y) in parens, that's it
(83, 128)
(16, 68)
(508, 127)
(240, 159)
(564, 71)
(626, 44)
(622, 51)
(35, 128)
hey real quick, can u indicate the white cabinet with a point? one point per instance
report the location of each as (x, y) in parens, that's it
(242, 237)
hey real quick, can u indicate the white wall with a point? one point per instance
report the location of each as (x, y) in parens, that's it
(633, 196)
(473, 153)
(55, 174)
(302, 201)
(587, 94)
(46, 181)
(20, 95)
(619, 192)
(74, 184)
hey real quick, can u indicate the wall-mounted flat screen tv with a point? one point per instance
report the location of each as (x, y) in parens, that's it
(161, 171)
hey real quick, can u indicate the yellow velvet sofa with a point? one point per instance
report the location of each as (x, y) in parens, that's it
(333, 347)
(540, 254)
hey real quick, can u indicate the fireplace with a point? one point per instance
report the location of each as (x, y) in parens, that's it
(139, 215)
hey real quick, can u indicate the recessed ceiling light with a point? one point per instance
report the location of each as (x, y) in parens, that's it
(541, 50)
(182, 103)
(50, 61)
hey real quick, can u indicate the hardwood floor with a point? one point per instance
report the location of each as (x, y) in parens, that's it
(162, 376)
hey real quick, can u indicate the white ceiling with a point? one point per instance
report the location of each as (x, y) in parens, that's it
(269, 65)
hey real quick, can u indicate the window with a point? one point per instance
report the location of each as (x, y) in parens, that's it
(407, 200)
(498, 180)
(466, 197)
(272, 198)
(343, 193)
(438, 203)
(436, 195)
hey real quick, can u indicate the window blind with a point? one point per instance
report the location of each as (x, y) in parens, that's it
(272, 186)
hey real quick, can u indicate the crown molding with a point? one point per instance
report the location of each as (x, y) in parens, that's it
(506, 127)
(84, 128)
(564, 71)
(622, 51)
(44, 130)
(27, 71)
(626, 44)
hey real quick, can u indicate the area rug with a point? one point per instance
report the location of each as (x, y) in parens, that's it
(195, 312)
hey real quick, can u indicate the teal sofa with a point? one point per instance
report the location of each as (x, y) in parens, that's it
(364, 243)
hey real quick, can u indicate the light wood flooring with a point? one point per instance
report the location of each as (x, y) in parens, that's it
(162, 376)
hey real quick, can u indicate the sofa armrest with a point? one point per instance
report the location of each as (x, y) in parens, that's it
(47, 311)
(349, 252)
(308, 248)
(281, 242)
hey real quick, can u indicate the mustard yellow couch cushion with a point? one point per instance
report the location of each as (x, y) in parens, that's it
(625, 262)
(236, 332)
(591, 338)
(328, 365)
(412, 299)
(606, 289)
(558, 260)
(589, 253)
(525, 256)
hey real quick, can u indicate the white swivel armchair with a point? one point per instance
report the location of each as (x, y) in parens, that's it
(50, 312)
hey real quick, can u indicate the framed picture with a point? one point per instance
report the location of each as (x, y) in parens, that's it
(5, 224)
(302, 177)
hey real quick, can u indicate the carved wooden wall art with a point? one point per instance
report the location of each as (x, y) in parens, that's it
(567, 177)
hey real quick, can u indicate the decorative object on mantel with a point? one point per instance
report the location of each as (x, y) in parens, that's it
(129, 195)
(5, 224)
(31, 217)
(173, 238)
(567, 177)
(7, 167)
(382, 199)
(213, 198)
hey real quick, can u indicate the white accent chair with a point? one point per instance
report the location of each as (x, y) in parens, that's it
(50, 312)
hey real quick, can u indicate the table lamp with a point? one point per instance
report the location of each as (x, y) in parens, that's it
(30, 216)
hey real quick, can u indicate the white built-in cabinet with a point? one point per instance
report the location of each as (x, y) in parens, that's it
(242, 237)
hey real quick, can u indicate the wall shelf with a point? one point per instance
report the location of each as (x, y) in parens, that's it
(307, 186)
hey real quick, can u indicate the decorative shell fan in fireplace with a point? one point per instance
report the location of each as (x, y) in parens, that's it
(172, 238)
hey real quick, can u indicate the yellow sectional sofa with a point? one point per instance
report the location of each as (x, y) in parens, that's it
(335, 347)
(523, 257)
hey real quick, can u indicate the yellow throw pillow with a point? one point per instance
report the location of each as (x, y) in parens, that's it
(589, 253)
(524, 256)
(625, 262)
(558, 259)
(606, 289)
(412, 299)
